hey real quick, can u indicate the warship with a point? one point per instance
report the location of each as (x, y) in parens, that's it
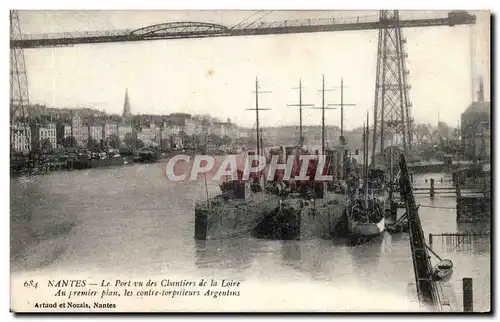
(242, 204)
(312, 208)
(234, 212)
(315, 206)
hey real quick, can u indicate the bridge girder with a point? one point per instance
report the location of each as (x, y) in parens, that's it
(187, 30)
(186, 27)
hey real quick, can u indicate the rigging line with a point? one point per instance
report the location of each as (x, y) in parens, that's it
(89, 19)
(241, 22)
(259, 19)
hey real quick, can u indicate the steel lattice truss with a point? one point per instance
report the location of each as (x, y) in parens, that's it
(392, 104)
(19, 95)
(187, 30)
(184, 28)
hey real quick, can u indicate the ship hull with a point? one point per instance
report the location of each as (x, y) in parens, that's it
(88, 164)
(234, 217)
(319, 221)
(357, 229)
(314, 219)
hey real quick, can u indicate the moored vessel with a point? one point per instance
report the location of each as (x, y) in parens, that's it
(242, 204)
(366, 210)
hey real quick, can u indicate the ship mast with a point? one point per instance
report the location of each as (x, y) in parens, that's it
(323, 108)
(300, 105)
(342, 104)
(257, 109)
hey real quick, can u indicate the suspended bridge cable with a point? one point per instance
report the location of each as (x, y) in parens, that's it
(241, 22)
(260, 19)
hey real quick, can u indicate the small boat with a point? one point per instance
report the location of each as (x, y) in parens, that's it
(365, 213)
(365, 218)
(442, 271)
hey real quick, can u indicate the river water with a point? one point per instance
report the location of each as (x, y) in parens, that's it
(133, 220)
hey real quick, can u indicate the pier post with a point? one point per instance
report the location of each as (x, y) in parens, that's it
(467, 294)
(411, 177)
(394, 211)
(430, 239)
(200, 225)
(432, 188)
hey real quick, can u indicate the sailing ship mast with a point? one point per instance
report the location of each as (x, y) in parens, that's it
(257, 109)
(323, 108)
(342, 104)
(300, 105)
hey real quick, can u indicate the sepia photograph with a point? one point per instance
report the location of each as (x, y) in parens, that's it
(250, 161)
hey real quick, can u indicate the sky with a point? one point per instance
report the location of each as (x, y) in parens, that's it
(216, 76)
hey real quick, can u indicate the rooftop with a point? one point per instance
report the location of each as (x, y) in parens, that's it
(479, 107)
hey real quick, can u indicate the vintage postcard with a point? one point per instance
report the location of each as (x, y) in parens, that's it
(250, 161)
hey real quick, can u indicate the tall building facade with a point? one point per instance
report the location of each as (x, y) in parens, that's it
(475, 128)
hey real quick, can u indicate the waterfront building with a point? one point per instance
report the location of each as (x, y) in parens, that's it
(84, 134)
(110, 128)
(63, 130)
(96, 131)
(21, 137)
(77, 130)
(123, 129)
(41, 134)
(475, 128)
(218, 128)
(189, 126)
(149, 135)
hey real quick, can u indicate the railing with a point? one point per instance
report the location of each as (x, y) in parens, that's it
(460, 242)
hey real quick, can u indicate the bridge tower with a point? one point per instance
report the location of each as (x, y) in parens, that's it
(19, 95)
(392, 115)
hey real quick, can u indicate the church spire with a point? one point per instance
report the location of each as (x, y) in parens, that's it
(126, 105)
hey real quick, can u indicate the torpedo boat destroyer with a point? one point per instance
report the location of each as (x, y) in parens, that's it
(234, 212)
(312, 208)
(242, 204)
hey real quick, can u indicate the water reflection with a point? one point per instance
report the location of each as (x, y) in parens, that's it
(133, 219)
(366, 257)
(235, 254)
(291, 252)
(333, 260)
(475, 228)
(316, 258)
(37, 240)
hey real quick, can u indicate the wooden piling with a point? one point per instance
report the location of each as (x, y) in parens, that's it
(467, 294)
(200, 225)
(430, 239)
(394, 211)
(432, 188)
